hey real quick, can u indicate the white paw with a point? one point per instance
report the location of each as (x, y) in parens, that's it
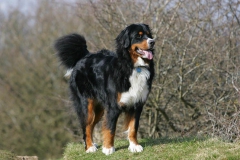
(92, 149)
(135, 148)
(94, 144)
(108, 151)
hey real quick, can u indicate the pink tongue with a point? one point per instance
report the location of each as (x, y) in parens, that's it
(147, 54)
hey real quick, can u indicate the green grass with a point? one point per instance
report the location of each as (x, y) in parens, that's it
(6, 155)
(165, 149)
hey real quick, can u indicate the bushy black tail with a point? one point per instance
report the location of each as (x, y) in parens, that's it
(70, 49)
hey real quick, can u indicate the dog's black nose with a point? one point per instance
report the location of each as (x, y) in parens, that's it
(151, 42)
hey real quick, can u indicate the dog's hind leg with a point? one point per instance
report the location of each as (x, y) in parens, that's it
(94, 114)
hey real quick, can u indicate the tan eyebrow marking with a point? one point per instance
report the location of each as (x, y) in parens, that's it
(140, 33)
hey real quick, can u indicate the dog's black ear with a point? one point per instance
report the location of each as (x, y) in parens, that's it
(123, 38)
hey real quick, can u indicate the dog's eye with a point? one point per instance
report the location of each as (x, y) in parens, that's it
(139, 36)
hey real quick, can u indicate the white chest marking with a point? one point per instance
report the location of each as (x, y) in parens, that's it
(140, 62)
(139, 89)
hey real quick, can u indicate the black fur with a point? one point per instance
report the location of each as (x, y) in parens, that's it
(102, 75)
(71, 49)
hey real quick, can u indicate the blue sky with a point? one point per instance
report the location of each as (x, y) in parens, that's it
(23, 5)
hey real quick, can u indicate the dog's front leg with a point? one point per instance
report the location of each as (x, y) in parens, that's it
(132, 123)
(109, 127)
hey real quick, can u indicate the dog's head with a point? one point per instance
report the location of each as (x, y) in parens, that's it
(137, 42)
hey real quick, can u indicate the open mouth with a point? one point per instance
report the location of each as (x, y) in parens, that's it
(145, 53)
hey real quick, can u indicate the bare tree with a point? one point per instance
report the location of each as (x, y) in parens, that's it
(193, 40)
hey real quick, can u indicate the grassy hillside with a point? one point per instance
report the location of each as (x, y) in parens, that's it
(163, 149)
(7, 155)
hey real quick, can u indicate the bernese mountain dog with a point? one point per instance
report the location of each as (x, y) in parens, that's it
(106, 84)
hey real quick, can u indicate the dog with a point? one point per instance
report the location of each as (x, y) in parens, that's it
(106, 84)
